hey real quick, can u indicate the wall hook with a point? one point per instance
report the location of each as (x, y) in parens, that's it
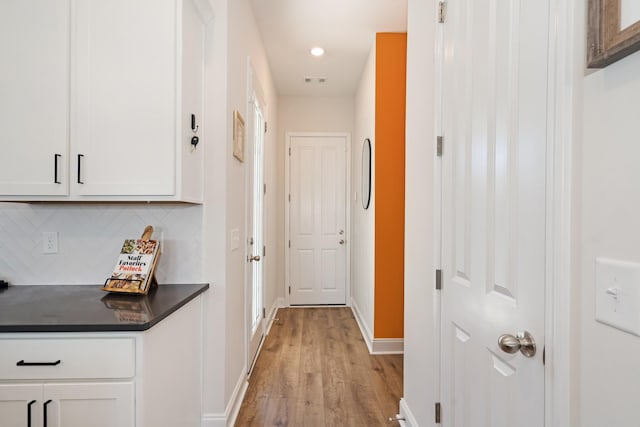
(194, 125)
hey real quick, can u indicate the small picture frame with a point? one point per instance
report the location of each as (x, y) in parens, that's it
(238, 136)
(613, 31)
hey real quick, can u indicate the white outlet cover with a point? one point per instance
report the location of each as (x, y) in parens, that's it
(618, 294)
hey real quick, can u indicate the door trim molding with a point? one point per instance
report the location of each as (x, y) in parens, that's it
(563, 60)
(287, 190)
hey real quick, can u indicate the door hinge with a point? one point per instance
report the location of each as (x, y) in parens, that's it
(289, 243)
(264, 251)
(439, 144)
(289, 150)
(289, 197)
(442, 12)
(265, 127)
(264, 189)
(264, 313)
(438, 280)
(289, 290)
(438, 412)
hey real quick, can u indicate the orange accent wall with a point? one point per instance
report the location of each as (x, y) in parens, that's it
(391, 70)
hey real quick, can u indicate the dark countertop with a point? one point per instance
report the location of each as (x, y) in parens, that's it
(87, 308)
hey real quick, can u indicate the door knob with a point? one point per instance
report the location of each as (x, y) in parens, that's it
(252, 258)
(523, 341)
(341, 241)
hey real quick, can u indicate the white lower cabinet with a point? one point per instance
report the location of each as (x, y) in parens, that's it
(106, 404)
(105, 379)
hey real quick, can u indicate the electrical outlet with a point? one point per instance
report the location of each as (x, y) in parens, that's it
(50, 242)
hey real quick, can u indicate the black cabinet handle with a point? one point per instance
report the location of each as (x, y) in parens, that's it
(80, 156)
(29, 412)
(55, 168)
(44, 417)
(23, 363)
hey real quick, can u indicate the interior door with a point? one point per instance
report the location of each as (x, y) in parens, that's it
(494, 169)
(317, 219)
(255, 233)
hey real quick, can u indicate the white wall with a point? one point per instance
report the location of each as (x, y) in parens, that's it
(234, 39)
(362, 221)
(420, 300)
(303, 114)
(609, 380)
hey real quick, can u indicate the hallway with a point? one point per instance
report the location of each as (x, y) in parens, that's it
(314, 370)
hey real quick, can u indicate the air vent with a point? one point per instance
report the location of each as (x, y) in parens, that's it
(315, 79)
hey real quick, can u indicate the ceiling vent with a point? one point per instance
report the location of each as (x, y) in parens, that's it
(315, 79)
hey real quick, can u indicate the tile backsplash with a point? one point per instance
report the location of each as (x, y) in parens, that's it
(90, 237)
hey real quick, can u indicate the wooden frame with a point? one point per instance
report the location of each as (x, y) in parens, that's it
(607, 42)
(238, 136)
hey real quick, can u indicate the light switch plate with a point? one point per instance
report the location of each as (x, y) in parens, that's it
(234, 239)
(618, 294)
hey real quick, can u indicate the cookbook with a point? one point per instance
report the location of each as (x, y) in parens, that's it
(133, 272)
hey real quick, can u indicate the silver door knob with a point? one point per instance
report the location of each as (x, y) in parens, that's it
(253, 258)
(341, 241)
(523, 341)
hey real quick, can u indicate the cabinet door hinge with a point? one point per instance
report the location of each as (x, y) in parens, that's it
(265, 127)
(442, 11)
(264, 313)
(438, 412)
(439, 144)
(438, 280)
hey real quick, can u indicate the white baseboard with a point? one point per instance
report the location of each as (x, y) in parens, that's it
(214, 420)
(364, 329)
(405, 412)
(278, 303)
(228, 419)
(233, 408)
(387, 346)
(376, 345)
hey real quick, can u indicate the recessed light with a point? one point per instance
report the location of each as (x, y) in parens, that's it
(317, 51)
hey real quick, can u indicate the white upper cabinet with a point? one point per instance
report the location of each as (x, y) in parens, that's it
(34, 97)
(127, 104)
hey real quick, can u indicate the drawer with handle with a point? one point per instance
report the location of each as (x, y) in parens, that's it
(73, 358)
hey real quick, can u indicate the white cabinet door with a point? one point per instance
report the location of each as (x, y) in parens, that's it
(34, 94)
(123, 123)
(89, 404)
(20, 405)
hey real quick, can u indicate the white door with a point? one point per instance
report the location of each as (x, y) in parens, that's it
(89, 404)
(494, 169)
(123, 106)
(317, 219)
(34, 97)
(255, 229)
(20, 405)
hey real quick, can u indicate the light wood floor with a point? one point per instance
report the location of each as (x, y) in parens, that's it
(314, 370)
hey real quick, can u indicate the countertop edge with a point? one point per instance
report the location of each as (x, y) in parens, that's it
(87, 328)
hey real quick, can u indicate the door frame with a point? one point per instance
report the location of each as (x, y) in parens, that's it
(287, 190)
(565, 68)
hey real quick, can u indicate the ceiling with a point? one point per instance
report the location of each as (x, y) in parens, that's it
(344, 28)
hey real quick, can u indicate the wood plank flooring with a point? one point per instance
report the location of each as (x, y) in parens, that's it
(314, 370)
